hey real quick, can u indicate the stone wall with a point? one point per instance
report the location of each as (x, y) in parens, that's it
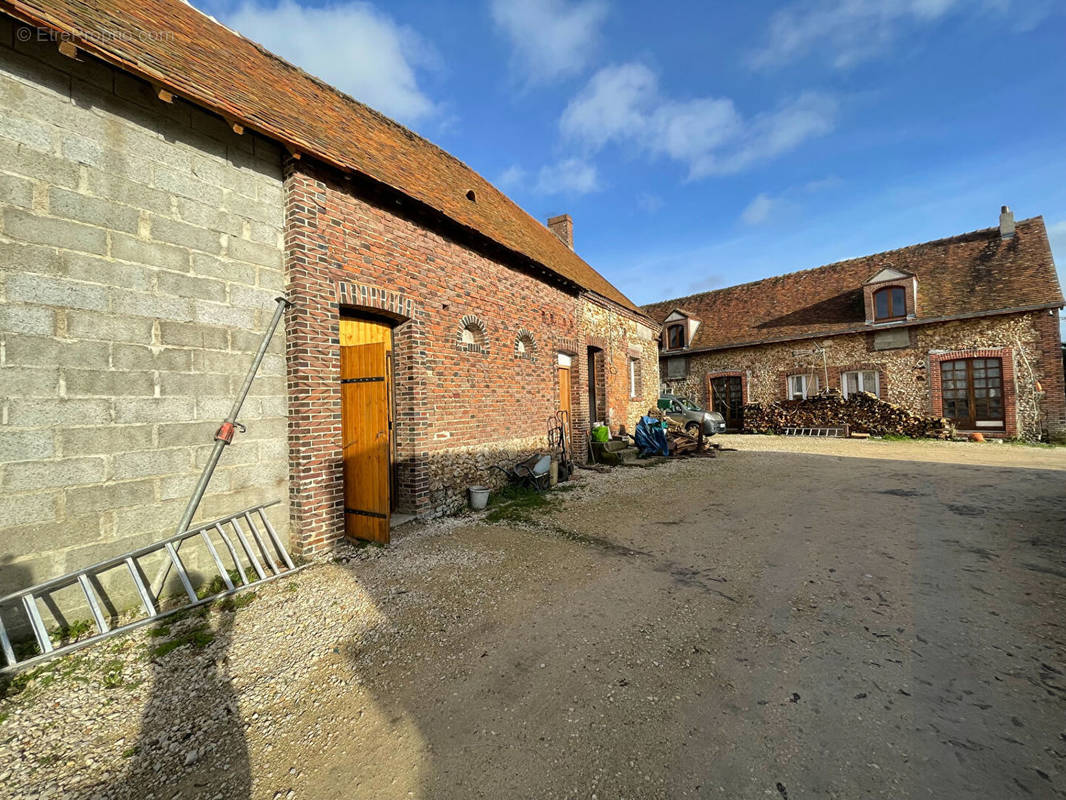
(140, 252)
(904, 372)
(623, 337)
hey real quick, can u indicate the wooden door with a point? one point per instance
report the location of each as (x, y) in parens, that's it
(973, 393)
(366, 428)
(727, 398)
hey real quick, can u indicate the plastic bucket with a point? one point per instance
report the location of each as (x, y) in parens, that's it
(479, 497)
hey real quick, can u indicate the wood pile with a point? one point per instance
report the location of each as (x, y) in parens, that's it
(862, 412)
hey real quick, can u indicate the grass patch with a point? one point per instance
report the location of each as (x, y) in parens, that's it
(130, 752)
(162, 630)
(75, 630)
(896, 437)
(236, 601)
(112, 676)
(216, 585)
(43, 676)
(516, 504)
(198, 638)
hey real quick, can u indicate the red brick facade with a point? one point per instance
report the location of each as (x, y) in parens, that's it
(1050, 370)
(353, 249)
(1010, 390)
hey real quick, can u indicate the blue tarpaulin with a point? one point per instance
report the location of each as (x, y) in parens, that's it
(650, 438)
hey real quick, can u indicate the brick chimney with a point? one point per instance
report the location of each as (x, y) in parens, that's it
(1006, 223)
(563, 227)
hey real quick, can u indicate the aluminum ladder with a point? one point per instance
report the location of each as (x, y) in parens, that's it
(257, 556)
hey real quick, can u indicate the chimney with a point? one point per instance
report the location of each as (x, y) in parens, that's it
(1006, 223)
(563, 227)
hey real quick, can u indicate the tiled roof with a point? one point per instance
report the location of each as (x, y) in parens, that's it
(969, 275)
(210, 65)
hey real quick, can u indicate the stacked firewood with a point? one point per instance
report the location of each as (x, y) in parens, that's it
(861, 412)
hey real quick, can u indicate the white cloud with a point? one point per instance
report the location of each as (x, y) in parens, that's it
(850, 31)
(788, 201)
(512, 177)
(623, 104)
(551, 38)
(352, 46)
(613, 105)
(758, 209)
(571, 176)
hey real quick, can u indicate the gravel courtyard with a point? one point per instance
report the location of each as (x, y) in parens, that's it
(798, 619)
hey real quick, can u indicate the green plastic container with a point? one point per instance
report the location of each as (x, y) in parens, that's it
(601, 433)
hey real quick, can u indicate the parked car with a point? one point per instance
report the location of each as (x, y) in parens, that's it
(691, 415)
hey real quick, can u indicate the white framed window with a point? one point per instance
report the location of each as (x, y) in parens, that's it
(800, 387)
(866, 380)
(634, 377)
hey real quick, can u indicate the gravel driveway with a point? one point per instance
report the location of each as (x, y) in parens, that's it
(850, 622)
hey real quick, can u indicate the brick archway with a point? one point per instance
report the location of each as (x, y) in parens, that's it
(313, 365)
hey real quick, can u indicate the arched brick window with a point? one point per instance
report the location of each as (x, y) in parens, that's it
(525, 346)
(471, 335)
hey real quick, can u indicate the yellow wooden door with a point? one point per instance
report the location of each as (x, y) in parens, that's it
(366, 428)
(564, 400)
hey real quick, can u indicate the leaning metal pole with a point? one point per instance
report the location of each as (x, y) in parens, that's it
(224, 434)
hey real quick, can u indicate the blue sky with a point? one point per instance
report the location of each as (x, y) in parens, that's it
(704, 144)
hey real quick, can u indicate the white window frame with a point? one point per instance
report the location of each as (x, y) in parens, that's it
(632, 377)
(861, 381)
(805, 386)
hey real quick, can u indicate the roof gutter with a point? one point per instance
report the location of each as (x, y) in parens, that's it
(865, 329)
(295, 146)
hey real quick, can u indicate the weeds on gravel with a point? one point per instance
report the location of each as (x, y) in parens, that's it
(43, 676)
(72, 631)
(199, 638)
(236, 601)
(515, 504)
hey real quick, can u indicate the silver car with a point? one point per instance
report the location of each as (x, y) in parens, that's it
(691, 415)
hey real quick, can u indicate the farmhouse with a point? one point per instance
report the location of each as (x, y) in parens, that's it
(162, 181)
(964, 327)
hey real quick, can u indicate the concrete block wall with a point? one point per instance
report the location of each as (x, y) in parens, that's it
(140, 252)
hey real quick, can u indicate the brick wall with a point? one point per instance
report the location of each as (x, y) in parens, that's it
(1026, 341)
(140, 252)
(457, 407)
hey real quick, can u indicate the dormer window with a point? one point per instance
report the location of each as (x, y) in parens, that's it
(890, 303)
(890, 295)
(675, 336)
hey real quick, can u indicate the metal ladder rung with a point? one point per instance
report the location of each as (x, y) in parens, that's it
(262, 546)
(222, 572)
(247, 549)
(180, 568)
(94, 607)
(29, 602)
(142, 590)
(5, 643)
(233, 554)
(276, 540)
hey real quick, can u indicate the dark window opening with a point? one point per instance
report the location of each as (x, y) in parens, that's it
(675, 335)
(890, 303)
